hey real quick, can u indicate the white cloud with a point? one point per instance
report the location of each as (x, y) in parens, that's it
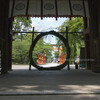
(40, 29)
(50, 20)
(46, 24)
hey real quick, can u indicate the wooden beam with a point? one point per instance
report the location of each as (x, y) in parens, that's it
(56, 8)
(70, 6)
(12, 11)
(85, 18)
(27, 9)
(44, 32)
(41, 9)
(84, 8)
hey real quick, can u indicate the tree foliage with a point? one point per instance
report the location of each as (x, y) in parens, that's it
(76, 39)
(22, 24)
(21, 49)
(56, 54)
(42, 47)
(22, 43)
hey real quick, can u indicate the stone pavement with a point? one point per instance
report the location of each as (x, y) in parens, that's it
(49, 84)
(52, 97)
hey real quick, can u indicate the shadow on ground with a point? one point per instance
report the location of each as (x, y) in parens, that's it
(49, 82)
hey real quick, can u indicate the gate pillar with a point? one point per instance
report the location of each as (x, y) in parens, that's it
(4, 10)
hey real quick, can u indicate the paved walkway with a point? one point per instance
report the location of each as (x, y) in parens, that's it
(52, 97)
(50, 65)
(20, 82)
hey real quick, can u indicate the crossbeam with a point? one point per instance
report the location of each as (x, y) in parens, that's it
(33, 32)
(44, 32)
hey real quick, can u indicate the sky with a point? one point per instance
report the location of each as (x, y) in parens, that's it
(47, 24)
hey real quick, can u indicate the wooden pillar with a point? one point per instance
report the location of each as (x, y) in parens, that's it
(68, 49)
(59, 51)
(87, 44)
(10, 45)
(94, 34)
(44, 53)
(87, 49)
(4, 9)
(32, 42)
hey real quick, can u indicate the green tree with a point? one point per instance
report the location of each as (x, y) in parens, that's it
(21, 42)
(56, 54)
(75, 40)
(22, 24)
(21, 49)
(42, 47)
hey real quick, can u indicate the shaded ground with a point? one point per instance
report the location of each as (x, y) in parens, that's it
(52, 97)
(21, 81)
